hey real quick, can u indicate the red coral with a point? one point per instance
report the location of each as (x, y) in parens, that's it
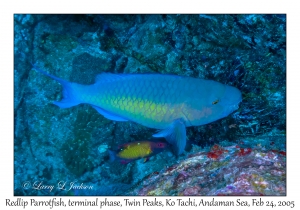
(282, 153)
(244, 151)
(216, 148)
(216, 152)
(279, 152)
(212, 155)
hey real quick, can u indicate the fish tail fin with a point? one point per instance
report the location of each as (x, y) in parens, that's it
(69, 90)
(175, 134)
(112, 155)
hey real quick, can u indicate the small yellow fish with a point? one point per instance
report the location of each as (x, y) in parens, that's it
(135, 150)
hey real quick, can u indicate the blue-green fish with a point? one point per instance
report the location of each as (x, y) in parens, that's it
(166, 102)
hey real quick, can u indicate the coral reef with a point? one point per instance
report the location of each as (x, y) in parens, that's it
(229, 170)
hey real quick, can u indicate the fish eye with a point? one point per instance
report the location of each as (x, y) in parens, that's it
(159, 144)
(215, 102)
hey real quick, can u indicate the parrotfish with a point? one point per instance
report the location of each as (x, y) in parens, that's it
(128, 152)
(168, 103)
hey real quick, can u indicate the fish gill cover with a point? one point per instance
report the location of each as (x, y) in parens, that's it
(244, 51)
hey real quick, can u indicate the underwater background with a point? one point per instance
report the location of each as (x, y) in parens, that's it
(242, 154)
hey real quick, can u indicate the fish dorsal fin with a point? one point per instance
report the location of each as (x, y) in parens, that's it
(108, 77)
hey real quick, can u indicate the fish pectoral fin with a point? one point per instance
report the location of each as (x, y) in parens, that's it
(175, 134)
(108, 115)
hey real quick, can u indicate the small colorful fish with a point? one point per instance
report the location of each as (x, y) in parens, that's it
(128, 152)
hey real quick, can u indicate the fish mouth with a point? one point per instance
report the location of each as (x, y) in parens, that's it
(232, 98)
(229, 109)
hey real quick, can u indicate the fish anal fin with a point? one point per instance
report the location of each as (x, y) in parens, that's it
(175, 134)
